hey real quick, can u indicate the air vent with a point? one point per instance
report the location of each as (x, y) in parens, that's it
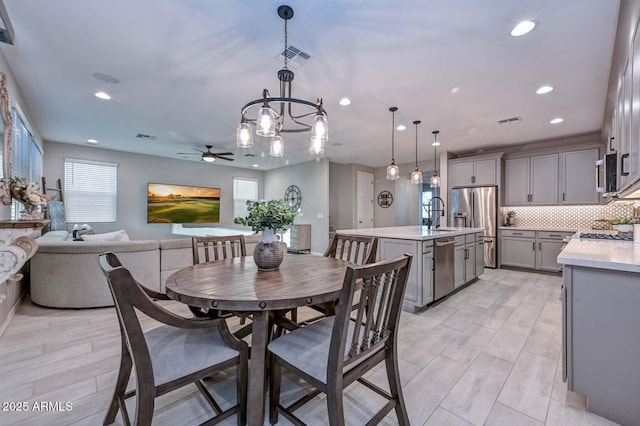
(147, 137)
(510, 120)
(295, 56)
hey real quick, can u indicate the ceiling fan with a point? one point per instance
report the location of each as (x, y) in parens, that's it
(209, 156)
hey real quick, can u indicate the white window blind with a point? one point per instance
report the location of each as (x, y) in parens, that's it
(244, 189)
(90, 190)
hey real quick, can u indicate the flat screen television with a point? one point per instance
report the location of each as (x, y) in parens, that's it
(168, 203)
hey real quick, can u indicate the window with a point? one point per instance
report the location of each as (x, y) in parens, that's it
(244, 189)
(90, 190)
(26, 156)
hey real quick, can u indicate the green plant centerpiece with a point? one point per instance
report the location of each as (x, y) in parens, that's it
(624, 224)
(267, 217)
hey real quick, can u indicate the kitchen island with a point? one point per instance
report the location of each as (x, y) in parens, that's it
(429, 269)
(600, 317)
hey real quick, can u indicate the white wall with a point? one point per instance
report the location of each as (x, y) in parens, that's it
(313, 180)
(135, 171)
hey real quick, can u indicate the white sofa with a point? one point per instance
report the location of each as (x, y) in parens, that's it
(66, 273)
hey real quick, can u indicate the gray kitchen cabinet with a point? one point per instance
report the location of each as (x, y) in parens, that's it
(479, 254)
(470, 258)
(532, 180)
(459, 264)
(465, 259)
(476, 172)
(518, 251)
(600, 340)
(576, 174)
(419, 291)
(627, 170)
(532, 249)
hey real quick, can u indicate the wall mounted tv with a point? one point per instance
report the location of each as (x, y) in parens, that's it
(182, 204)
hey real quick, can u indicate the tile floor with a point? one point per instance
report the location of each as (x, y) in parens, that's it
(487, 355)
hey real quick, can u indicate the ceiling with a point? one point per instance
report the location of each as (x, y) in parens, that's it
(186, 68)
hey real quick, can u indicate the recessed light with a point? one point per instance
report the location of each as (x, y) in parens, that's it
(455, 90)
(255, 165)
(557, 120)
(522, 28)
(401, 127)
(544, 89)
(102, 95)
(92, 141)
(345, 101)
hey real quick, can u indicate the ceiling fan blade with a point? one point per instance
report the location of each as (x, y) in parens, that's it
(225, 158)
(199, 150)
(186, 153)
(223, 153)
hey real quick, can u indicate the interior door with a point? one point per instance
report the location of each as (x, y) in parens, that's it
(365, 200)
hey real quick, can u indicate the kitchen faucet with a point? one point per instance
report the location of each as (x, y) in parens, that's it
(431, 210)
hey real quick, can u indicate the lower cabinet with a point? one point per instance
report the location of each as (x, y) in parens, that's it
(531, 249)
(459, 265)
(468, 264)
(479, 254)
(419, 290)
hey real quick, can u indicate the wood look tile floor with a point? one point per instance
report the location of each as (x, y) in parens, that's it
(487, 355)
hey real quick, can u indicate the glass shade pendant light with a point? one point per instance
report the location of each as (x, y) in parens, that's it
(266, 123)
(276, 149)
(434, 181)
(244, 135)
(320, 127)
(393, 171)
(317, 146)
(416, 174)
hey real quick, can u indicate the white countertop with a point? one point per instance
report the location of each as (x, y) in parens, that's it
(419, 233)
(603, 254)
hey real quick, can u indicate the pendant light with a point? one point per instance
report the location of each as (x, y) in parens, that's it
(393, 171)
(416, 174)
(435, 179)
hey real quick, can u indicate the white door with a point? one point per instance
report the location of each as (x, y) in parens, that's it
(365, 200)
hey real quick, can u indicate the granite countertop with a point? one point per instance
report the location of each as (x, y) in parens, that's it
(419, 233)
(603, 254)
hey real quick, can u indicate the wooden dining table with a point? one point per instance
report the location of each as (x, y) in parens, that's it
(237, 285)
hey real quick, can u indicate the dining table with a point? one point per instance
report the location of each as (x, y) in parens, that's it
(236, 284)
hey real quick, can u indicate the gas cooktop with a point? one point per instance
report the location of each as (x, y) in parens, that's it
(596, 236)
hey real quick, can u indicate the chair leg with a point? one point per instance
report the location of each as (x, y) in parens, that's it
(275, 376)
(335, 406)
(393, 374)
(144, 403)
(121, 387)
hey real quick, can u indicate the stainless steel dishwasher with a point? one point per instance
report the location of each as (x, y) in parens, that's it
(443, 274)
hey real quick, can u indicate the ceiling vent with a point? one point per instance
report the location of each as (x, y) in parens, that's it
(6, 29)
(510, 120)
(147, 137)
(249, 155)
(295, 56)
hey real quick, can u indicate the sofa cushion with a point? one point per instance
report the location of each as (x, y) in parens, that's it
(120, 235)
(53, 236)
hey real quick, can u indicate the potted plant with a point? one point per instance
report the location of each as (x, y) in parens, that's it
(267, 217)
(624, 224)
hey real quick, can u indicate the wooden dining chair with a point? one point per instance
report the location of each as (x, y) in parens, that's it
(334, 352)
(179, 352)
(209, 249)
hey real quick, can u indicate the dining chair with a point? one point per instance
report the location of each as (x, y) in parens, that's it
(179, 352)
(212, 248)
(334, 352)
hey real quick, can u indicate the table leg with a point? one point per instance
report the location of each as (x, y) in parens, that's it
(258, 368)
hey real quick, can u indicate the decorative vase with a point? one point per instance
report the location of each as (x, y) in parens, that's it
(625, 228)
(268, 254)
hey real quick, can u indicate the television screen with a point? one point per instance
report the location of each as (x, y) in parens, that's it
(182, 204)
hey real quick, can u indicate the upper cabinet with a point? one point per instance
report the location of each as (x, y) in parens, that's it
(576, 173)
(532, 180)
(474, 172)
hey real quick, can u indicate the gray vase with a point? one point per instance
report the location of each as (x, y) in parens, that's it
(268, 253)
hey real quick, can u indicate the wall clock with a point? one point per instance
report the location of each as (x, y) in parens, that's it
(385, 199)
(293, 197)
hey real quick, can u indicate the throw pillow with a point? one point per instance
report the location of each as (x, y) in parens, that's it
(120, 235)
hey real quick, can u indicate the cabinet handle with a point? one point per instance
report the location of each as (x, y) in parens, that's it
(534, 246)
(563, 196)
(433, 263)
(555, 235)
(517, 233)
(540, 246)
(473, 179)
(611, 143)
(622, 171)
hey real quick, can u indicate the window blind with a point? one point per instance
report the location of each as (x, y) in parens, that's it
(244, 189)
(90, 190)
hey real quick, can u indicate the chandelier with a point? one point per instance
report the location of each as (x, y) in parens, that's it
(276, 114)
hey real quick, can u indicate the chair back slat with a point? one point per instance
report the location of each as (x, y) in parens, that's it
(216, 248)
(376, 318)
(358, 250)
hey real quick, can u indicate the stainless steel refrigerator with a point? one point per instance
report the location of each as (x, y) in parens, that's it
(477, 207)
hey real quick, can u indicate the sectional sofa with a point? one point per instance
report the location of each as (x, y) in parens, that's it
(66, 274)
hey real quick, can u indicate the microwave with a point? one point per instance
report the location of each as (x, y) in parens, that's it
(607, 174)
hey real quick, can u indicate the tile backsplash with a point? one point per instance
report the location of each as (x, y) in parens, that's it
(570, 217)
